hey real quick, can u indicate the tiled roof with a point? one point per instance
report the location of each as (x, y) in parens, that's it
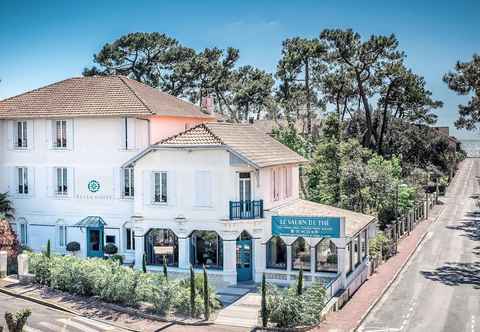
(354, 221)
(244, 139)
(97, 95)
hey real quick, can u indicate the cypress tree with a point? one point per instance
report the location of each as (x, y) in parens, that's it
(144, 263)
(49, 249)
(206, 296)
(300, 282)
(165, 268)
(192, 292)
(264, 302)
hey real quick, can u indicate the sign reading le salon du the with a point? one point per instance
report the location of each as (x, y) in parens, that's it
(306, 226)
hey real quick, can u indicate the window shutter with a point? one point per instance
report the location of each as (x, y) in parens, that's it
(30, 134)
(31, 180)
(272, 186)
(51, 181)
(71, 181)
(203, 188)
(148, 187)
(131, 133)
(70, 135)
(11, 134)
(117, 183)
(50, 133)
(289, 182)
(171, 192)
(12, 184)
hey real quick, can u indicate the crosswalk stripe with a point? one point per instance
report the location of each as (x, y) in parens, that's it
(102, 326)
(81, 327)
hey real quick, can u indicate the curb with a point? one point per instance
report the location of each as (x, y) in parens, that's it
(395, 277)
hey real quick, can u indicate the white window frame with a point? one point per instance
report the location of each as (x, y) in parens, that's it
(163, 187)
(60, 135)
(61, 234)
(22, 187)
(63, 176)
(23, 235)
(21, 134)
(128, 181)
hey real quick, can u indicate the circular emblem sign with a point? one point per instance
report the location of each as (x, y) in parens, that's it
(94, 186)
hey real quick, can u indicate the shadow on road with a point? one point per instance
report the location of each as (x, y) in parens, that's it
(470, 227)
(454, 274)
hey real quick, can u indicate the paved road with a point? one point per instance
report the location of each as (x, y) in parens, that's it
(44, 319)
(439, 290)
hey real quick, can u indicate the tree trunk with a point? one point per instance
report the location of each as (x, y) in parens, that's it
(368, 115)
(307, 92)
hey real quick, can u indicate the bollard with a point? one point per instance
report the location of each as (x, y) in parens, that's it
(3, 264)
(22, 264)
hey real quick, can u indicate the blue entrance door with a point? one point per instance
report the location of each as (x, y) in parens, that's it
(95, 241)
(244, 260)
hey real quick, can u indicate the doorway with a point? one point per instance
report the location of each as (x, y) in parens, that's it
(244, 257)
(95, 241)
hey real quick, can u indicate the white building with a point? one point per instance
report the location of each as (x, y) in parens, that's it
(79, 162)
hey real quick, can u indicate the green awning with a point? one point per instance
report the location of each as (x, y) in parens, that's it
(91, 221)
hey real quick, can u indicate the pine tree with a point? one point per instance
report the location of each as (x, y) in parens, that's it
(192, 292)
(48, 253)
(206, 295)
(264, 302)
(300, 282)
(165, 268)
(144, 263)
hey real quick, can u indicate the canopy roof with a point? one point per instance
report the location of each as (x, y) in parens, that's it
(91, 221)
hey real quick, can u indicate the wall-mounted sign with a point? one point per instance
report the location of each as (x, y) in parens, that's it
(163, 250)
(94, 186)
(306, 226)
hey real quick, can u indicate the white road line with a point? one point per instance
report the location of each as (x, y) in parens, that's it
(30, 329)
(79, 326)
(101, 326)
(53, 327)
(473, 323)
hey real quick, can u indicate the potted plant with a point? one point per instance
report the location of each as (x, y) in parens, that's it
(73, 248)
(110, 249)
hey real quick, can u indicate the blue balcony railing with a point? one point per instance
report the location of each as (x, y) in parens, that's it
(246, 210)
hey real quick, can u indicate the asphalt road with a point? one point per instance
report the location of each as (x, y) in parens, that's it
(439, 290)
(45, 319)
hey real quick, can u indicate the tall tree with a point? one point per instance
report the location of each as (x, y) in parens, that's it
(465, 81)
(301, 57)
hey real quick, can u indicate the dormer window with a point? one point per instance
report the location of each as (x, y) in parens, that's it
(21, 135)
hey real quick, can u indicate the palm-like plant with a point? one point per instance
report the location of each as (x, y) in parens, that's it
(6, 208)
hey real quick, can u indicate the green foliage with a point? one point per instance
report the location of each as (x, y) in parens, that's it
(293, 139)
(48, 252)
(16, 322)
(300, 282)
(165, 273)
(192, 292)
(379, 245)
(9, 243)
(264, 310)
(111, 249)
(114, 283)
(117, 258)
(206, 295)
(6, 208)
(144, 263)
(288, 309)
(73, 246)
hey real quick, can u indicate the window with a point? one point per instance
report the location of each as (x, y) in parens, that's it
(62, 235)
(128, 182)
(160, 243)
(61, 187)
(300, 254)
(23, 225)
(130, 239)
(276, 184)
(60, 134)
(206, 248)
(363, 244)
(110, 239)
(326, 256)
(22, 180)
(160, 187)
(276, 254)
(348, 255)
(21, 135)
(356, 251)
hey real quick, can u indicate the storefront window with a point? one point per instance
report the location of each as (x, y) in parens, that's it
(276, 254)
(327, 258)
(206, 248)
(160, 243)
(363, 244)
(348, 254)
(356, 252)
(300, 254)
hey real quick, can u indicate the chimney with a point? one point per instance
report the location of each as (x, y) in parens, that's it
(207, 105)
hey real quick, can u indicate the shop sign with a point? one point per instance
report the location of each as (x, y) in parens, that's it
(317, 227)
(163, 250)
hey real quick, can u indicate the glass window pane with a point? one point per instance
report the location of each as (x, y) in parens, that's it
(164, 187)
(326, 256)
(276, 254)
(206, 249)
(300, 254)
(160, 243)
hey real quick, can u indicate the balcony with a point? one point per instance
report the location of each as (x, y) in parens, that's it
(246, 210)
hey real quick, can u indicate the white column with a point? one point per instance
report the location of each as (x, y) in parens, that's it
(139, 246)
(3, 264)
(312, 261)
(184, 253)
(230, 260)
(22, 260)
(289, 261)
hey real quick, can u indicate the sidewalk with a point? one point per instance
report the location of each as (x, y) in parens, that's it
(351, 315)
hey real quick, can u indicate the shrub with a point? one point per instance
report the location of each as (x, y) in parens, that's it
(73, 246)
(16, 322)
(110, 249)
(117, 258)
(288, 309)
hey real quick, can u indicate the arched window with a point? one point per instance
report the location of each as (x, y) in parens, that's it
(22, 225)
(206, 248)
(300, 254)
(327, 258)
(276, 254)
(160, 243)
(61, 233)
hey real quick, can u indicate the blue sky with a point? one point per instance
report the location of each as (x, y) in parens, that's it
(46, 41)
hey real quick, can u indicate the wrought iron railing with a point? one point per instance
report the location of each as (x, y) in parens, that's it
(246, 209)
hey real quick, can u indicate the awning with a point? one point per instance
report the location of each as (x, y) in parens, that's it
(91, 221)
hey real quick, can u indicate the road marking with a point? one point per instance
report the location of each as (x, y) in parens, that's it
(52, 327)
(79, 326)
(30, 329)
(95, 323)
(473, 323)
